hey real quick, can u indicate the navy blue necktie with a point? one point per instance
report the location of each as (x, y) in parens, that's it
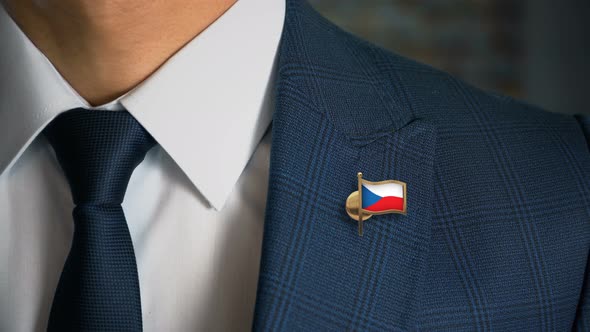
(98, 289)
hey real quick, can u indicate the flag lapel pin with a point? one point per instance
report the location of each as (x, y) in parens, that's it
(374, 198)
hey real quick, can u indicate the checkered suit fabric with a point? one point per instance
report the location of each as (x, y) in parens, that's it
(497, 233)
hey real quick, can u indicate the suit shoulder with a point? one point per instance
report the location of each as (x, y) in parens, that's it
(434, 93)
(384, 91)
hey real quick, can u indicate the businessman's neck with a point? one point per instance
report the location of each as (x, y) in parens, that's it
(105, 48)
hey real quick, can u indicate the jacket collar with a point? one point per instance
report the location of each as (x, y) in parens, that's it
(207, 106)
(313, 50)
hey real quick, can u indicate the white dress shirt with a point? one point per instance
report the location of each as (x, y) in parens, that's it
(195, 206)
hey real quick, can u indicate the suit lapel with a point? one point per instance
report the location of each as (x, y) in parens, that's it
(332, 121)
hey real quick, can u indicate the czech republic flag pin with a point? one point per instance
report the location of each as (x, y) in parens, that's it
(373, 198)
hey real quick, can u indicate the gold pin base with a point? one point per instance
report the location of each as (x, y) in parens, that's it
(352, 207)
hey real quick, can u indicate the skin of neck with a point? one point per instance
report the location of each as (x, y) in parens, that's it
(104, 48)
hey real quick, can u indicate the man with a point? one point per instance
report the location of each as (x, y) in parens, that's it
(495, 236)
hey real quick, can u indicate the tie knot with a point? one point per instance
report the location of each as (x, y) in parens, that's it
(98, 151)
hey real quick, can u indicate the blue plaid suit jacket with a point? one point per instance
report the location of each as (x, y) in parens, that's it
(497, 233)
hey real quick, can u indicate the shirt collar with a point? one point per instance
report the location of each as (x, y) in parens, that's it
(208, 106)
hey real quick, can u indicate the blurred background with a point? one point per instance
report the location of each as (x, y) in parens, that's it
(536, 50)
